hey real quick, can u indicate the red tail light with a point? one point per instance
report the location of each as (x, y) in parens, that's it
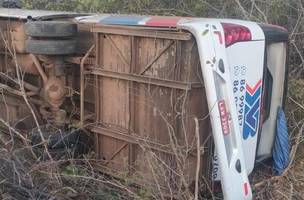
(235, 33)
(246, 190)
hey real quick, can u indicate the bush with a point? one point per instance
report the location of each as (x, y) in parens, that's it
(288, 14)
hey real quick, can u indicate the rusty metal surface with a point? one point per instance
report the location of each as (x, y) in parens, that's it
(55, 91)
(51, 99)
(82, 84)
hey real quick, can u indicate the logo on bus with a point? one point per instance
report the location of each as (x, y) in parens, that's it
(252, 110)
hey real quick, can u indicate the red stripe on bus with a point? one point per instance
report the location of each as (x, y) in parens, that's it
(163, 21)
(246, 191)
(253, 90)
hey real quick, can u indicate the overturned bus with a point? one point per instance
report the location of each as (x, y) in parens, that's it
(165, 100)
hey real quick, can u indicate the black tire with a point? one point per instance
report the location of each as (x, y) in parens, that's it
(67, 144)
(51, 47)
(50, 29)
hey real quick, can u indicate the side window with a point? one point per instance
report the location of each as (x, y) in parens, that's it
(268, 84)
(274, 78)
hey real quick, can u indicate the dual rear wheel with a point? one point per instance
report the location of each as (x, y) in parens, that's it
(55, 39)
(51, 37)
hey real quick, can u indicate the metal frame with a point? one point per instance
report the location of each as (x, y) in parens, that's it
(143, 32)
(143, 79)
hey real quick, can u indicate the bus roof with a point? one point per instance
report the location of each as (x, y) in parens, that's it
(23, 14)
(133, 20)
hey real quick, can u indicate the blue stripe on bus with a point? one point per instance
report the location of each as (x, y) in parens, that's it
(122, 20)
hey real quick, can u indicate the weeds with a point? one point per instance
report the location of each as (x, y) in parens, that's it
(23, 176)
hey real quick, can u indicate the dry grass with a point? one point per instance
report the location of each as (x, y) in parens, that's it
(22, 176)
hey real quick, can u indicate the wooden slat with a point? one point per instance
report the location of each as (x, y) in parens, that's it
(144, 79)
(142, 32)
(132, 138)
(148, 66)
(132, 103)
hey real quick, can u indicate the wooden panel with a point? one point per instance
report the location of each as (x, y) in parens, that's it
(163, 116)
(114, 97)
(115, 92)
(149, 49)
